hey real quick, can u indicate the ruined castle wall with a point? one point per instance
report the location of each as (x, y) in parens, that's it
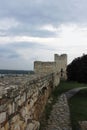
(44, 67)
(59, 64)
(21, 108)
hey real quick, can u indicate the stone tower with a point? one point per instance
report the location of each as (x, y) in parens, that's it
(57, 66)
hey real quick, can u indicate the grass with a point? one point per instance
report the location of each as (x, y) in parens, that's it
(64, 86)
(78, 108)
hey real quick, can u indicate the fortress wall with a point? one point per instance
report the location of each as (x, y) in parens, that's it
(21, 108)
(59, 64)
(44, 67)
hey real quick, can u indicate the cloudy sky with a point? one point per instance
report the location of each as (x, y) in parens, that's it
(36, 29)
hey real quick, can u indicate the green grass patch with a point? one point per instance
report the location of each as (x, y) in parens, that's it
(78, 108)
(63, 87)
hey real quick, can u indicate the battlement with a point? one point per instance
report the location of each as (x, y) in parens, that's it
(60, 57)
(44, 67)
(59, 64)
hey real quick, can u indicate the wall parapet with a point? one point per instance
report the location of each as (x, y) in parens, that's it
(58, 65)
(21, 103)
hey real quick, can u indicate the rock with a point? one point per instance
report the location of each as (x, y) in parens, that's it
(34, 125)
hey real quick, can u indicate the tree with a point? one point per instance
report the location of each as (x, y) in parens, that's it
(77, 70)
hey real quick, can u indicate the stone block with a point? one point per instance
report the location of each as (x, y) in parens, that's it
(33, 125)
(2, 117)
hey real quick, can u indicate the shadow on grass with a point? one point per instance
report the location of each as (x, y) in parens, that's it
(78, 108)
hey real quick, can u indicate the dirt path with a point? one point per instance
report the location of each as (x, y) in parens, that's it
(74, 91)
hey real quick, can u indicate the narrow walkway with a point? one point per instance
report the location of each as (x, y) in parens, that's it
(74, 91)
(60, 114)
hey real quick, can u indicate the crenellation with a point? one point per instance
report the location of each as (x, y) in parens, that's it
(59, 64)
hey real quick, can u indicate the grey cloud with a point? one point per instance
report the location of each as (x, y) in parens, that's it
(33, 14)
(29, 31)
(17, 63)
(14, 55)
(49, 11)
(8, 52)
(20, 45)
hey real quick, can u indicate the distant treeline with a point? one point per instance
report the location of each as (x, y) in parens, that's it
(77, 70)
(16, 72)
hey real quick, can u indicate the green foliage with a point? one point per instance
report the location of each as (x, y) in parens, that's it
(77, 70)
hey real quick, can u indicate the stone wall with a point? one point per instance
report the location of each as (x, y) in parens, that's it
(82, 125)
(57, 66)
(44, 67)
(21, 108)
(61, 62)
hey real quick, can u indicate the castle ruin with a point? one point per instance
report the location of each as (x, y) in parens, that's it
(57, 66)
(23, 99)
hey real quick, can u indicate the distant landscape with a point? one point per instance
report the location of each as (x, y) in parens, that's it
(3, 71)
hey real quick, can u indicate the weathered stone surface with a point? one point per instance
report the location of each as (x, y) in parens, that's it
(2, 117)
(83, 125)
(28, 102)
(60, 63)
(34, 125)
(60, 115)
(23, 98)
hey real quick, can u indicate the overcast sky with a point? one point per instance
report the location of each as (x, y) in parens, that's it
(37, 29)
